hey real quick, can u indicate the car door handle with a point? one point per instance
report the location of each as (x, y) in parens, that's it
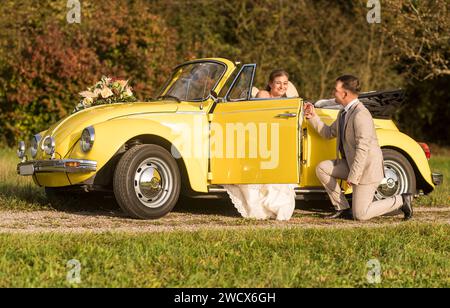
(287, 115)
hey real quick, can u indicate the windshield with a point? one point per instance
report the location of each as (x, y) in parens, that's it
(194, 82)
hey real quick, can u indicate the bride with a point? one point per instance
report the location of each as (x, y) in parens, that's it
(264, 201)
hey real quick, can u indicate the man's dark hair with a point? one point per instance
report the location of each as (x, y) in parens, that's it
(350, 83)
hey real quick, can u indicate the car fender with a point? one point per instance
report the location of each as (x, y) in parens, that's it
(396, 140)
(111, 136)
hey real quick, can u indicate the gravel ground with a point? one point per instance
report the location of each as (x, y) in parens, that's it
(190, 218)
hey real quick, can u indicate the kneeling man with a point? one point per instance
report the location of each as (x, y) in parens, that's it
(362, 160)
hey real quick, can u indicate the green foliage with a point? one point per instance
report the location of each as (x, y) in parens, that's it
(45, 62)
(411, 255)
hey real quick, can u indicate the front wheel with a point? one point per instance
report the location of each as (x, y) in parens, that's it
(399, 176)
(147, 182)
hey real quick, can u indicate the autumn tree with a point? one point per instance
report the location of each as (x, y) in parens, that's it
(46, 62)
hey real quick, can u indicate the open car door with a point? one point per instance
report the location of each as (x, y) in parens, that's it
(254, 141)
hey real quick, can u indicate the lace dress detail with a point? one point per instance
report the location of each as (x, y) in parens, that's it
(263, 201)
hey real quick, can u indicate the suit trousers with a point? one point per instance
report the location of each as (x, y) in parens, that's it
(363, 206)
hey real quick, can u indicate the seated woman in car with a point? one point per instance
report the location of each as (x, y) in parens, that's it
(277, 86)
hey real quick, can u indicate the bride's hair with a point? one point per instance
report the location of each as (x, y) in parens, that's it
(275, 74)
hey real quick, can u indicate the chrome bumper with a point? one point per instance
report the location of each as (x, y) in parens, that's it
(438, 178)
(62, 165)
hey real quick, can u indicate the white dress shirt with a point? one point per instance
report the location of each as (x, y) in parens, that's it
(347, 108)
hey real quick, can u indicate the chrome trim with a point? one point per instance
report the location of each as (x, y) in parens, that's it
(234, 83)
(191, 112)
(50, 166)
(298, 190)
(49, 149)
(287, 115)
(253, 99)
(21, 149)
(216, 190)
(260, 109)
(153, 183)
(438, 178)
(394, 183)
(142, 113)
(91, 132)
(33, 151)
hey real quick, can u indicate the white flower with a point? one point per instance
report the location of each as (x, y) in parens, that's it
(106, 92)
(106, 80)
(128, 92)
(88, 94)
(97, 92)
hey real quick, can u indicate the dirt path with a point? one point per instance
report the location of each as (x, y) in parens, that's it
(185, 220)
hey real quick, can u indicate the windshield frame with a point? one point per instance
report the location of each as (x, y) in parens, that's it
(170, 82)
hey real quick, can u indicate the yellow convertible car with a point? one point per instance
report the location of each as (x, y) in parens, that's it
(206, 130)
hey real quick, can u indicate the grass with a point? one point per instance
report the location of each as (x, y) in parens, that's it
(17, 192)
(441, 196)
(412, 255)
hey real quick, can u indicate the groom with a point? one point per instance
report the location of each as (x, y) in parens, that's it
(361, 162)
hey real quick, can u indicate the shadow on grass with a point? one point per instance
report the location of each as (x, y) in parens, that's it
(93, 203)
(210, 206)
(23, 195)
(224, 206)
(31, 197)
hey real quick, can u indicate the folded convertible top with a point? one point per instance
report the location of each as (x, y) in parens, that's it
(381, 104)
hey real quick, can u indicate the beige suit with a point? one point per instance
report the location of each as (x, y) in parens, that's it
(362, 165)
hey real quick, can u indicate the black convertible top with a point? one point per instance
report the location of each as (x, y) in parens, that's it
(381, 104)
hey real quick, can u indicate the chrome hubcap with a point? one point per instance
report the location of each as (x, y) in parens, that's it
(395, 182)
(152, 182)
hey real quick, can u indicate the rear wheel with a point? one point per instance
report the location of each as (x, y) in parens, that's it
(147, 182)
(399, 176)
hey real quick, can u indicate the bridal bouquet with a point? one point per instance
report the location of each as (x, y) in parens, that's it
(106, 91)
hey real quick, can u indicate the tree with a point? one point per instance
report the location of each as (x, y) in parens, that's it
(46, 62)
(421, 32)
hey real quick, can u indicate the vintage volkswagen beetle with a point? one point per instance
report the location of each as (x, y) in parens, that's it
(203, 131)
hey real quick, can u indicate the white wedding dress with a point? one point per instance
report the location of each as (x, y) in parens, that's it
(263, 201)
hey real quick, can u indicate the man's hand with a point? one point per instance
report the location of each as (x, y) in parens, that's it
(350, 184)
(309, 111)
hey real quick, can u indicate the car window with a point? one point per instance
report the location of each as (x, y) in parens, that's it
(223, 92)
(194, 82)
(241, 89)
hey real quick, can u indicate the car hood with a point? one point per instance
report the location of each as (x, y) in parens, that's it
(68, 131)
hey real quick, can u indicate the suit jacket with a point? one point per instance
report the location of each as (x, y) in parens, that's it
(361, 147)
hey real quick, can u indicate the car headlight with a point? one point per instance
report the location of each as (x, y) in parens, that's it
(87, 139)
(21, 150)
(49, 145)
(34, 144)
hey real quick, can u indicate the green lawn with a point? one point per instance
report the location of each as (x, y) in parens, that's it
(441, 196)
(17, 192)
(411, 255)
